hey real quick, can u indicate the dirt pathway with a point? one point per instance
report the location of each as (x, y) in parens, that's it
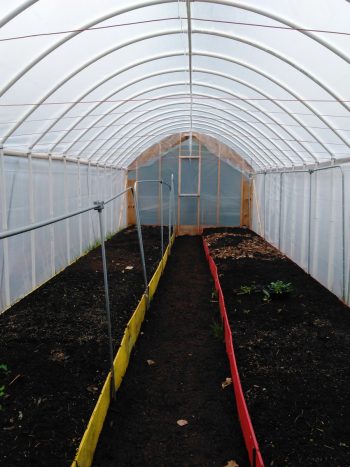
(181, 380)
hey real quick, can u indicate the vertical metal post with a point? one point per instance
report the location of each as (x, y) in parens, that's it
(139, 233)
(91, 237)
(218, 191)
(161, 222)
(104, 195)
(309, 229)
(99, 208)
(264, 205)
(65, 194)
(52, 228)
(343, 229)
(111, 191)
(4, 221)
(280, 211)
(169, 222)
(79, 206)
(173, 200)
(32, 217)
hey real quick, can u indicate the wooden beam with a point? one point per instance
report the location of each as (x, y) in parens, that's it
(245, 201)
(131, 217)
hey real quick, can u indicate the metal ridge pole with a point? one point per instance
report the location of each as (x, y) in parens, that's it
(189, 36)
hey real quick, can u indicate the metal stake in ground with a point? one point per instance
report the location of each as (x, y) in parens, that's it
(173, 201)
(99, 208)
(169, 221)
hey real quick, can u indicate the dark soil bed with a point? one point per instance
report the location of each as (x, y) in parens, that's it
(176, 373)
(54, 345)
(292, 351)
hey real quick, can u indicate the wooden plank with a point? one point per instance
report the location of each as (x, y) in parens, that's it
(245, 202)
(131, 217)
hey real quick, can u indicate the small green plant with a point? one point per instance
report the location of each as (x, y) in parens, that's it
(280, 287)
(218, 330)
(267, 296)
(276, 289)
(246, 289)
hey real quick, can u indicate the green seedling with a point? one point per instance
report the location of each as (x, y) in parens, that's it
(246, 289)
(218, 330)
(280, 287)
(267, 296)
(276, 289)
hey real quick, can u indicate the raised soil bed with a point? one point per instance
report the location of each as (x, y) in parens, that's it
(292, 352)
(176, 373)
(54, 345)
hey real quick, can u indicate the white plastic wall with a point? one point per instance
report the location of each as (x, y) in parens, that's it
(34, 190)
(307, 216)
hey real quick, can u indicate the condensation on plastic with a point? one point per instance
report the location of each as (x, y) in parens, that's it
(285, 222)
(53, 247)
(220, 208)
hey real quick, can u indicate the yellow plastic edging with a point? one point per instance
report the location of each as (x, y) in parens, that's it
(89, 441)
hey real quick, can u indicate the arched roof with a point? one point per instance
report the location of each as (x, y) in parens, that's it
(104, 80)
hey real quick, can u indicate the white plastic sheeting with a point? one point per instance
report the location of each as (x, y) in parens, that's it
(37, 190)
(103, 80)
(307, 216)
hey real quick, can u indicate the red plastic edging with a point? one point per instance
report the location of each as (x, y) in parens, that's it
(250, 440)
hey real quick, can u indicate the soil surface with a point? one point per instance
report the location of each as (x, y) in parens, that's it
(293, 352)
(175, 378)
(54, 351)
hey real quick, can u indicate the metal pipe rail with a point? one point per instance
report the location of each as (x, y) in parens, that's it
(99, 207)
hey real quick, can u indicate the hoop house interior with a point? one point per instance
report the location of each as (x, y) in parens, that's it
(239, 108)
(87, 88)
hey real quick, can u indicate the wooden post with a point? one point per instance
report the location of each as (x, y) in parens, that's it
(245, 202)
(131, 218)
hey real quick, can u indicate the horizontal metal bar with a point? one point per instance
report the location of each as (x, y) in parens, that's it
(155, 181)
(37, 225)
(118, 195)
(189, 157)
(191, 195)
